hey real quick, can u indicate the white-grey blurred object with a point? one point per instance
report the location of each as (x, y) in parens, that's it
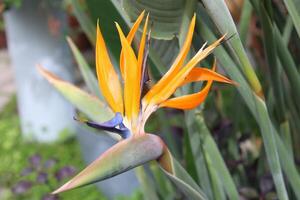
(93, 145)
(43, 111)
(35, 36)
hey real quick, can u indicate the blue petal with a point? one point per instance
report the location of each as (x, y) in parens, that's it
(111, 125)
(117, 120)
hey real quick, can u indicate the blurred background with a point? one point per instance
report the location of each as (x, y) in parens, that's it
(41, 146)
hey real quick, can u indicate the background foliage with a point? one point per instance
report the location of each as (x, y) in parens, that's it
(244, 142)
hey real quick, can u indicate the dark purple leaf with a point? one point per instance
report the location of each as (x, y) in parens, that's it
(21, 187)
(65, 172)
(50, 163)
(50, 197)
(42, 177)
(26, 171)
(35, 160)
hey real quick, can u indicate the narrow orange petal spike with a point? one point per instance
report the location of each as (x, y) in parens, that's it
(179, 61)
(142, 48)
(192, 100)
(129, 38)
(188, 101)
(131, 78)
(177, 80)
(107, 77)
(204, 74)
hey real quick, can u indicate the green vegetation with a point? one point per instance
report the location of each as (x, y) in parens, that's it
(34, 170)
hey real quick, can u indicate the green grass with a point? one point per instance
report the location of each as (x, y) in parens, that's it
(15, 154)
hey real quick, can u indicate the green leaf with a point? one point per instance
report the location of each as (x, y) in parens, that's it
(167, 50)
(88, 76)
(288, 166)
(294, 11)
(85, 22)
(245, 21)
(288, 28)
(268, 135)
(147, 185)
(200, 137)
(120, 158)
(271, 56)
(289, 66)
(179, 176)
(89, 105)
(162, 183)
(259, 111)
(220, 15)
(106, 13)
(167, 16)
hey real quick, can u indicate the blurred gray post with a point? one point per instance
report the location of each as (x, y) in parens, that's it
(35, 36)
(44, 113)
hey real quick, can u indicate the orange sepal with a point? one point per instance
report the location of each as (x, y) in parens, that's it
(131, 78)
(204, 74)
(189, 101)
(169, 88)
(107, 77)
(177, 64)
(129, 38)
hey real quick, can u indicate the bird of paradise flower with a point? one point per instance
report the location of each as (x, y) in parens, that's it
(132, 109)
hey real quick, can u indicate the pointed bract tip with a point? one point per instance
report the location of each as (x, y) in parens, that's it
(68, 38)
(148, 14)
(42, 70)
(79, 119)
(63, 188)
(117, 25)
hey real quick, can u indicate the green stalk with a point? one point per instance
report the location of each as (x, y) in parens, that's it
(220, 15)
(287, 31)
(289, 67)
(293, 8)
(201, 138)
(245, 21)
(271, 55)
(259, 111)
(84, 21)
(147, 186)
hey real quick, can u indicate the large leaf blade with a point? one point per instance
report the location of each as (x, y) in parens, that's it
(294, 11)
(201, 138)
(122, 157)
(180, 178)
(167, 16)
(220, 15)
(252, 101)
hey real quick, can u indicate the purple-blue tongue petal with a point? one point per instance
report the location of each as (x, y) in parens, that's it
(111, 125)
(122, 157)
(117, 120)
